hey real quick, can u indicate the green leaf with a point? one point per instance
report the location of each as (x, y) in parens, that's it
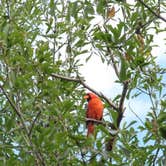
(131, 123)
(162, 117)
(123, 70)
(88, 58)
(74, 9)
(52, 8)
(162, 130)
(105, 37)
(88, 8)
(101, 6)
(80, 43)
(114, 116)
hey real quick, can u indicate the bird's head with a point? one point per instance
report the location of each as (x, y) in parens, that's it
(90, 96)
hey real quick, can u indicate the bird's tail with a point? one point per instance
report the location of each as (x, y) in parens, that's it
(91, 128)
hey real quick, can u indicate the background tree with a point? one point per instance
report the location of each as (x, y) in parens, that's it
(42, 46)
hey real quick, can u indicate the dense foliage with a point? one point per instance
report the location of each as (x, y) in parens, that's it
(43, 115)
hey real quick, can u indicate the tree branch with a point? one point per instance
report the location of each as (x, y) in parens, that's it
(112, 139)
(14, 108)
(113, 62)
(96, 121)
(124, 92)
(80, 81)
(157, 15)
(110, 126)
(136, 115)
(119, 109)
(112, 57)
(39, 158)
(33, 123)
(121, 103)
(77, 80)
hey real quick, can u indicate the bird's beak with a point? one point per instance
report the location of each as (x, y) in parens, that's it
(86, 97)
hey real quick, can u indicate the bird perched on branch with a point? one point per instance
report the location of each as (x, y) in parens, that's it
(94, 111)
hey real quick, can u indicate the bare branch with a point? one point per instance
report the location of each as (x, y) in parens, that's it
(80, 81)
(157, 15)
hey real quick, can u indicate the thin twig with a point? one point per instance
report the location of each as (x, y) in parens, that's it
(14, 108)
(153, 103)
(80, 81)
(142, 91)
(66, 78)
(33, 123)
(113, 61)
(155, 157)
(60, 47)
(54, 32)
(6, 146)
(136, 115)
(111, 56)
(154, 13)
(79, 146)
(159, 6)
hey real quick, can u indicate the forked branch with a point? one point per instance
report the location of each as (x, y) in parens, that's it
(82, 82)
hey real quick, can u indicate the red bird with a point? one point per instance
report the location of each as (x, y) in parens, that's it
(94, 110)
